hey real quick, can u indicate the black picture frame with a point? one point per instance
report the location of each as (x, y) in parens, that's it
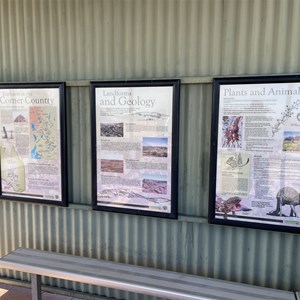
(130, 119)
(254, 167)
(33, 143)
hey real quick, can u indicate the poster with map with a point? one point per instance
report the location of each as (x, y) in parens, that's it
(255, 159)
(31, 143)
(135, 144)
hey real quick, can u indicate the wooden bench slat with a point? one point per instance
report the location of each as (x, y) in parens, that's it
(137, 279)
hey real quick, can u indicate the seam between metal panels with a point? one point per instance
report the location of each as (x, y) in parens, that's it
(181, 217)
(184, 80)
(83, 207)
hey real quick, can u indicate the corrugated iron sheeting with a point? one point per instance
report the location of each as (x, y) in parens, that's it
(79, 144)
(72, 40)
(243, 255)
(140, 39)
(194, 149)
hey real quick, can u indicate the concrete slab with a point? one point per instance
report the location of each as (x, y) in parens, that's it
(12, 292)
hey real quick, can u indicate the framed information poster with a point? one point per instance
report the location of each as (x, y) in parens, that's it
(255, 159)
(135, 146)
(33, 154)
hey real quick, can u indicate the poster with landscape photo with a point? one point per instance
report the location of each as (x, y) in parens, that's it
(255, 158)
(33, 154)
(135, 142)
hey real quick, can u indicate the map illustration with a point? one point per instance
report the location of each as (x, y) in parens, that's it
(12, 170)
(43, 133)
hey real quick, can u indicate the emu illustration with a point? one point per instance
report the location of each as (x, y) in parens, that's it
(286, 195)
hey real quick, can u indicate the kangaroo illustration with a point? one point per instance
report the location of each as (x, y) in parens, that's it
(286, 195)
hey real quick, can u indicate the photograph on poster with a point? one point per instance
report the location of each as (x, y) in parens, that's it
(135, 144)
(156, 147)
(32, 151)
(255, 158)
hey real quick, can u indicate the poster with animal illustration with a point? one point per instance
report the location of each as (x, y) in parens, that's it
(135, 142)
(255, 156)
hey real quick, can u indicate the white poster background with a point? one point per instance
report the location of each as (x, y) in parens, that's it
(134, 143)
(258, 164)
(30, 143)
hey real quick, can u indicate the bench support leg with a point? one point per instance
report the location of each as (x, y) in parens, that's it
(36, 287)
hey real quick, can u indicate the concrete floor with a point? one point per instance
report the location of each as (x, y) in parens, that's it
(13, 292)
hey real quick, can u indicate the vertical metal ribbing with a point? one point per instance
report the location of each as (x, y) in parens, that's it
(140, 39)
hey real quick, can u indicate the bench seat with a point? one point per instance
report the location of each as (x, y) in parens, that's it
(136, 279)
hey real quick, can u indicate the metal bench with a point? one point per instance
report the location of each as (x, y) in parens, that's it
(142, 280)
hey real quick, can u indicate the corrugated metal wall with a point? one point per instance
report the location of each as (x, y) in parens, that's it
(194, 40)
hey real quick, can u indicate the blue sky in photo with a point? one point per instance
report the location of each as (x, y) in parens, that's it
(155, 142)
(158, 177)
(291, 134)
